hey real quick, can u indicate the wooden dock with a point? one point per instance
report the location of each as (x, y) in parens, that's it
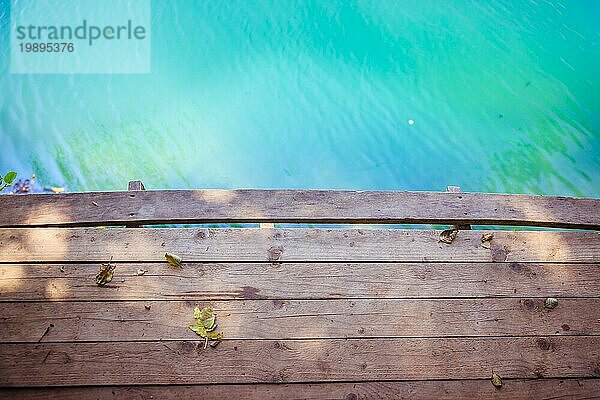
(351, 312)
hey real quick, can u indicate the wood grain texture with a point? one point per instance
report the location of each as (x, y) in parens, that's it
(195, 281)
(132, 186)
(288, 245)
(297, 319)
(305, 206)
(514, 389)
(254, 361)
(456, 189)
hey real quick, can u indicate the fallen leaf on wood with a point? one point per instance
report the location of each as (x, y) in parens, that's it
(496, 380)
(550, 303)
(105, 275)
(141, 272)
(198, 329)
(448, 235)
(173, 259)
(486, 238)
(206, 317)
(215, 335)
(205, 323)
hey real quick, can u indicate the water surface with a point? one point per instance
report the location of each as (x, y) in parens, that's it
(504, 96)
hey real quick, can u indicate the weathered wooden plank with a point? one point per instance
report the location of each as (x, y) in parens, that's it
(245, 361)
(288, 245)
(514, 389)
(132, 186)
(306, 206)
(194, 281)
(297, 319)
(456, 189)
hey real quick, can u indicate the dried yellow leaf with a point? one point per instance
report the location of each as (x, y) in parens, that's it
(205, 323)
(105, 275)
(198, 328)
(215, 336)
(551, 303)
(173, 259)
(496, 380)
(206, 317)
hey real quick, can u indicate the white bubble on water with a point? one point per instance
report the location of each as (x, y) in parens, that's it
(411, 122)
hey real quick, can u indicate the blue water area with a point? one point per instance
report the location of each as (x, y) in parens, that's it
(499, 95)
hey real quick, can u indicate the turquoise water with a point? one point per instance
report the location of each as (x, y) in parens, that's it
(504, 96)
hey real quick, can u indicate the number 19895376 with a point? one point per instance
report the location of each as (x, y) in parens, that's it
(46, 47)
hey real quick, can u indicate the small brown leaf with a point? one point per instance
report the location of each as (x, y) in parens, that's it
(105, 275)
(551, 303)
(486, 239)
(448, 235)
(496, 380)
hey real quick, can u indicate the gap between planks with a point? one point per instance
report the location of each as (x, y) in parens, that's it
(198, 342)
